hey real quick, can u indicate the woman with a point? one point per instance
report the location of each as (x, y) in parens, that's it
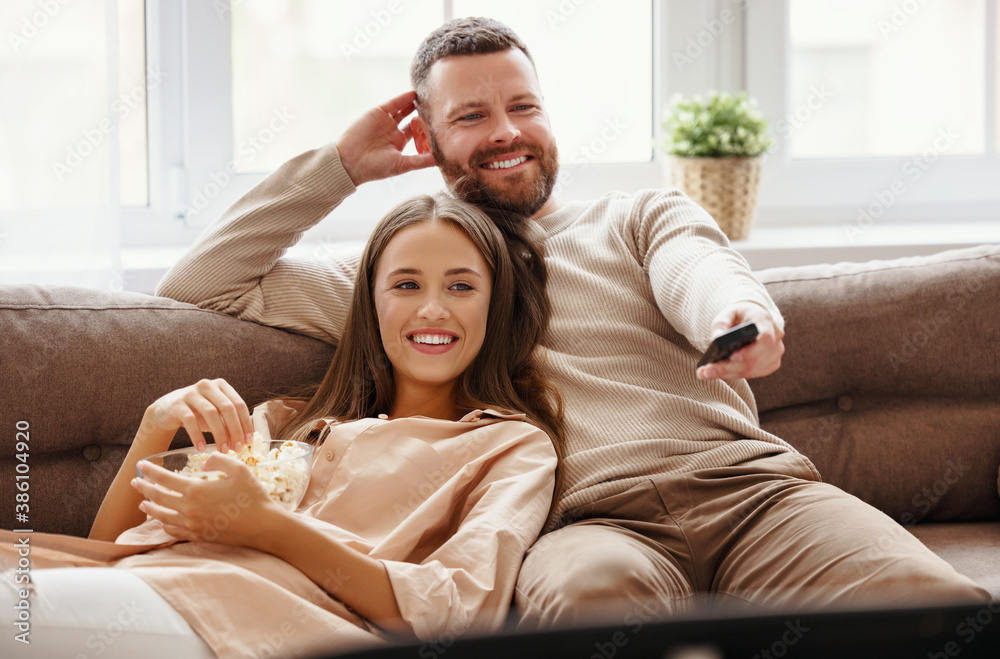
(427, 485)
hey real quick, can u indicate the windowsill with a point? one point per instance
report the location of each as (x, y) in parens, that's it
(765, 247)
(775, 245)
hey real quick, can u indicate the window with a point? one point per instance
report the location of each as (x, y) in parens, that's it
(58, 112)
(310, 67)
(866, 66)
(884, 110)
(73, 146)
(302, 70)
(208, 97)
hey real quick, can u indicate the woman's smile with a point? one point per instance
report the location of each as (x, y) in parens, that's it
(432, 341)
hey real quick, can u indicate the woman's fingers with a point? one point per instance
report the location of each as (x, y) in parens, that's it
(166, 516)
(209, 406)
(194, 425)
(227, 510)
(242, 424)
(164, 477)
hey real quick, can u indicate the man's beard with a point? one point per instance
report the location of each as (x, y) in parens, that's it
(519, 194)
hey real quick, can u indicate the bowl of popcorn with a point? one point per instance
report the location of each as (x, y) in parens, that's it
(282, 467)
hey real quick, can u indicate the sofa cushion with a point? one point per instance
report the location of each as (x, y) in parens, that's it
(82, 365)
(890, 378)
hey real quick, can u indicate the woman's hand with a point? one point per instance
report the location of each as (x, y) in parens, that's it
(206, 406)
(231, 511)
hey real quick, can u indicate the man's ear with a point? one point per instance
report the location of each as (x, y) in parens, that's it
(421, 135)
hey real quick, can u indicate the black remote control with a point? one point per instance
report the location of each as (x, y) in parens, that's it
(726, 344)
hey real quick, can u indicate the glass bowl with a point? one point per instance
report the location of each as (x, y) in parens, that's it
(283, 467)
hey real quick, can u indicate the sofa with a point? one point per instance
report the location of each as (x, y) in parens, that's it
(890, 384)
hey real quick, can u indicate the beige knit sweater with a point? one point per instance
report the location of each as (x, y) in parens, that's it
(634, 280)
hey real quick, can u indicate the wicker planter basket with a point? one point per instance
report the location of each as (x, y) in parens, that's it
(725, 187)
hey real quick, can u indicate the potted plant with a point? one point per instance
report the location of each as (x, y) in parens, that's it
(717, 148)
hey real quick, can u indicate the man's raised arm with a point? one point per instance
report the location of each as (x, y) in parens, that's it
(703, 286)
(237, 265)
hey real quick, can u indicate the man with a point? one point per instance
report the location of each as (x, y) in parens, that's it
(671, 492)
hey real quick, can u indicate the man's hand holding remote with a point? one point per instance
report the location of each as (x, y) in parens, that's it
(760, 358)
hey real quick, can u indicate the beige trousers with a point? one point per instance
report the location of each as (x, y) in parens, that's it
(764, 535)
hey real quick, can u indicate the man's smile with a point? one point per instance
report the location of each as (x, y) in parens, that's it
(508, 163)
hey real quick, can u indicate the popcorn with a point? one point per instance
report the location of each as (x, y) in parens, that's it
(283, 476)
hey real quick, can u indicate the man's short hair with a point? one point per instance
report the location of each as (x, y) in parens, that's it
(461, 36)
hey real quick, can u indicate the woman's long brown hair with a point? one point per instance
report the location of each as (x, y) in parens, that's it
(506, 375)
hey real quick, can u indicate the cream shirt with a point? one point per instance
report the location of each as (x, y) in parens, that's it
(449, 507)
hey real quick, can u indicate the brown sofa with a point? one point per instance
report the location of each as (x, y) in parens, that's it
(890, 384)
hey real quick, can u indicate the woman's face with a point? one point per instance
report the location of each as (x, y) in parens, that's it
(432, 295)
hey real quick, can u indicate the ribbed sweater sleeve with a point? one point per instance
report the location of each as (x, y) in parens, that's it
(693, 271)
(635, 282)
(238, 267)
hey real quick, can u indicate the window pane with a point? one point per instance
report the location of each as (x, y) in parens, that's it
(307, 69)
(594, 63)
(131, 107)
(878, 78)
(313, 67)
(56, 115)
(56, 112)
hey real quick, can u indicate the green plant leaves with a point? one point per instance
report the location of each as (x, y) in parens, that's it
(723, 126)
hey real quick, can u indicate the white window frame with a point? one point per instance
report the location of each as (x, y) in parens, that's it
(815, 191)
(191, 139)
(155, 225)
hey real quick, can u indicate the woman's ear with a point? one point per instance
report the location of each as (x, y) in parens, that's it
(421, 135)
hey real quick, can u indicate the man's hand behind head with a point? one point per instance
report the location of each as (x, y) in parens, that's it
(371, 149)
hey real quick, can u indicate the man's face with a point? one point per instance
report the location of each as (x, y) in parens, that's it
(489, 132)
